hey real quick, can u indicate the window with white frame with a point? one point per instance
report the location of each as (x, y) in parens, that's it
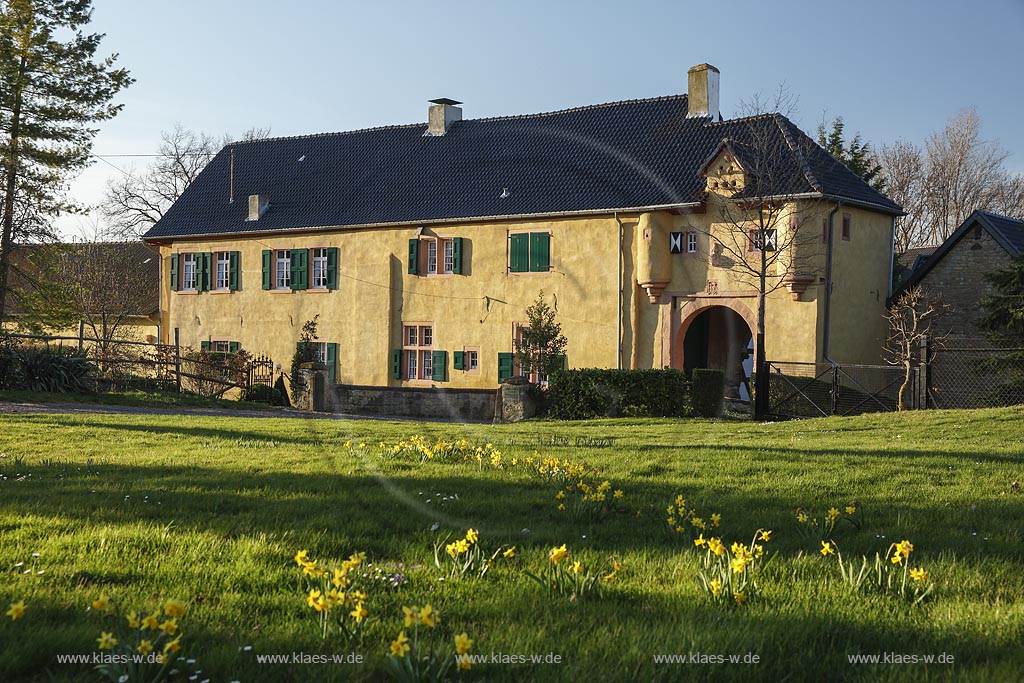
(691, 243)
(283, 269)
(223, 270)
(769, 240)
(189, 272)
(220, 346)
(320, 349)
(449, 256)
(431, 257)
(417, 343)
(319, 269)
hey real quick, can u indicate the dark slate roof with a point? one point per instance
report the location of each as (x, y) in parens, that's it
(624, 155)
(1007, 232)
(916, 257)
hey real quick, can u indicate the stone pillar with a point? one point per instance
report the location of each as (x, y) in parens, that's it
(311, 394)
(515, 401)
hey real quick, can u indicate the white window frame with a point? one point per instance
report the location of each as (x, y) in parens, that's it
(190, 272)
(431, 257)
(282, 269)
(417, 348)
(321, 351)
(691, 243)
(771, 238)
(448, 246)
(318, 279)
(223, 270)
(427, 364)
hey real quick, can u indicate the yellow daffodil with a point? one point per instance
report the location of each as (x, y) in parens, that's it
(738, 549)
(680, 529)
(716, 546)
(801, 517)
(616, 565)
(359, 613)
(919, 575)
(740, 597)
(462, 643)
(827, 548)
(340, 579)
(671, 521)
(316, 600)
(170, 627)
(556, 555)
(833, 514)
(698, 523)
(618, 494)
(400, 645)
(716, 519)
(670, 511)
(560, 495)
(610, 578)
(896, 558)
(106, 641)
(173, 646)
(302, 558)
(758, 550)
(716, 587)
(738, 564)
(561, 506)
(577, 567)
(16, 610)
(151, 622)
(472, 536)
(428, 616)
(699, 541)
(851, 509)
(411, 615)
(145, 647)
(905, 548)
(766, 536)
(510, 553)
(174, 608)
(102, 603)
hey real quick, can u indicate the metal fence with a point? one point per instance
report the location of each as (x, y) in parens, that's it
(973, 373)
(948, 373)
(125, 364)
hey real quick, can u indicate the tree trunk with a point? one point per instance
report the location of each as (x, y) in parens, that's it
(10, 190)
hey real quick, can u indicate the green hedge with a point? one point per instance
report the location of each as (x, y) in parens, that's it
(588, 393)
(708, 392)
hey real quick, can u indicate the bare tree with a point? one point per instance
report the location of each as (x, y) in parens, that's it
(135, 201)
(955, 173)
(910, 318)
(765, 234)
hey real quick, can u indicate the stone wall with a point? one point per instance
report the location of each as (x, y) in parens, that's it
(958, 281)
(469, 405)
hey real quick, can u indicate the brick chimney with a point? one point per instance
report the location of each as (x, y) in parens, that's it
(702, 97)
(442, 114)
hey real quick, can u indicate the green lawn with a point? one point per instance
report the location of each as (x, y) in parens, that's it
(137, 399)
(212, 510)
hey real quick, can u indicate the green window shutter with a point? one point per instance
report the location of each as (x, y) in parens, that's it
(233, 347)
(396, 364)
(540, 252)
(207, 271)
(299, 268)
(204, 345)
(519, 252)
(332, 362)
(504, 366)
(266, 269)
(174, 272)
(439, 366)
(457, 256)
(332, 268)
(458, 360)
(234, 270)
(414, 256)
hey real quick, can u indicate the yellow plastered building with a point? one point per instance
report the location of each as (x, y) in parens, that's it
(419, 248)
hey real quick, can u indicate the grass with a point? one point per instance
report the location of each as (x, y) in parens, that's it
(212, 510)
(138, 399)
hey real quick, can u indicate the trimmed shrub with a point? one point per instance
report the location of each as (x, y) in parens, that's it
(588, 393)
(708, 392)
(40, 368)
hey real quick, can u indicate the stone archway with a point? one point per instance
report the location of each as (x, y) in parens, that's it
(717, 333)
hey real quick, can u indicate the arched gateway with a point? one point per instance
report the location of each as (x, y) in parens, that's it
(718, 334)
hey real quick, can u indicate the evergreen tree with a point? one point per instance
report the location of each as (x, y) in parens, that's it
(541, 345)
(857, 155)
(52, 92)
(1003, 320)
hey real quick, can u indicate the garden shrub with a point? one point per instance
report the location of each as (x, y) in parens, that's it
(588, 393)
(707, 392)
(40, 368)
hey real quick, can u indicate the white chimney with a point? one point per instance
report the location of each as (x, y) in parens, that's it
(258, 204)
(702, 98)
(442, 114)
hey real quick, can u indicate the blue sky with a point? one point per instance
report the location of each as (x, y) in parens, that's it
(895, 69)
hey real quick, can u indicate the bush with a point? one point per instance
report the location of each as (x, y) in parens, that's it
(588, 393)
(708, 392)
(40, 368)
(261, 393)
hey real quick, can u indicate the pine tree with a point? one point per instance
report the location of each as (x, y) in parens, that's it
(857, 155)
(541, 344)
(1003, 320)
(52, 92)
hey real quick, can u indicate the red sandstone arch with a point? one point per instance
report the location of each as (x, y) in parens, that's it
(692, 309)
